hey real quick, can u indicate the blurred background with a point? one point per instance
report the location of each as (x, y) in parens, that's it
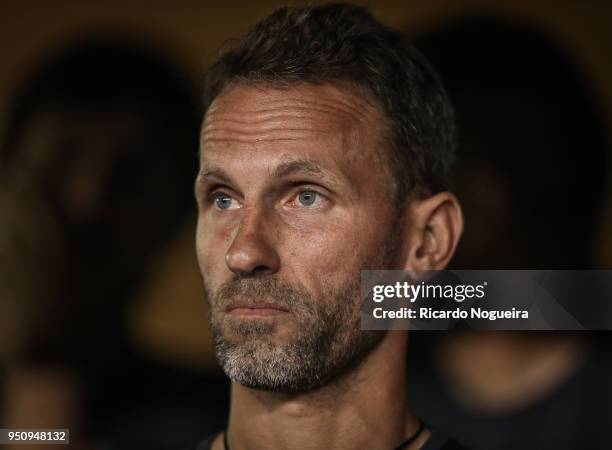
(103, 323)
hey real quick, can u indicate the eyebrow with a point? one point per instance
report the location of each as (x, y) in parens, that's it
(297, 166)
(216, 173)
(308, 167)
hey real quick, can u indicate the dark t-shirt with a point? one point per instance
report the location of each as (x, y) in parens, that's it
(436, 441)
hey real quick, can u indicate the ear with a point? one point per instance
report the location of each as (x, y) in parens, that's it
(432, 228)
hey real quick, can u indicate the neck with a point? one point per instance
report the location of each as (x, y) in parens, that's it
(366, 408)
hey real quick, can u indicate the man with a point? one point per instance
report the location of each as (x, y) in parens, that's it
(326, 149)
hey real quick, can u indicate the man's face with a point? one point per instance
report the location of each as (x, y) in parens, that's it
(294, 201)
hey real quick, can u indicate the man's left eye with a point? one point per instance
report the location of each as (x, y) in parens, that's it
(307, 198)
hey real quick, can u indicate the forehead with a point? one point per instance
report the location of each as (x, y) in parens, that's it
(302, 117)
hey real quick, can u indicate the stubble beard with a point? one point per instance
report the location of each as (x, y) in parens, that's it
(326, 341)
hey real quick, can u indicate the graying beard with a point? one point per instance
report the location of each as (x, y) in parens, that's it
(320, 354)
(332, 345)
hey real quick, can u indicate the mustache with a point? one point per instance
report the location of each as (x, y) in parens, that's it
(252, 290)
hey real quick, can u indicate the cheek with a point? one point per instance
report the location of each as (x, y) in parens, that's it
(211, 246)
(328, 250)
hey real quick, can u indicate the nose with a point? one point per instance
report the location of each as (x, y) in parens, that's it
(252, 250)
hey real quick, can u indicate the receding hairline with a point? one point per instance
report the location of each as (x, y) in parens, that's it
(360, 95)
(354, 88)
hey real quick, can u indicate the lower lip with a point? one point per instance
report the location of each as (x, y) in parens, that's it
(252, 312)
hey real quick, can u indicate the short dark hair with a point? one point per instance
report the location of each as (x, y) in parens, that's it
(345, 43)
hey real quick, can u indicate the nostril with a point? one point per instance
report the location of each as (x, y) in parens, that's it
(260, 269)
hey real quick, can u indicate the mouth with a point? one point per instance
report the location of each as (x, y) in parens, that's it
(255, 309)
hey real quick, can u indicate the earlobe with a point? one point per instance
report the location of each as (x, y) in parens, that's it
(434, 226)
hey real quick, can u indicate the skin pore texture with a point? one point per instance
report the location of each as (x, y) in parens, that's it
(295, 198)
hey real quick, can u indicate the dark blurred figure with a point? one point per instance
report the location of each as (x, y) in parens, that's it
(96, 173)
(532, 165)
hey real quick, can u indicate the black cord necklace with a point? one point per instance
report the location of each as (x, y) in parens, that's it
(412, 438)
(402, 446)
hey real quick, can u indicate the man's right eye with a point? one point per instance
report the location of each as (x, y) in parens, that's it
(224, 201)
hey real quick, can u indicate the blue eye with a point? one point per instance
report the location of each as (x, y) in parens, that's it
(307, 198)
(223, 201)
